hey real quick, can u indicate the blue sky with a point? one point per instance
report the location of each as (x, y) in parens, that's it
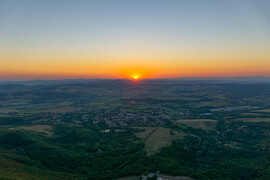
(106, 30)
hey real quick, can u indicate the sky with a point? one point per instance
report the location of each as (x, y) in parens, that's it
(57, 39)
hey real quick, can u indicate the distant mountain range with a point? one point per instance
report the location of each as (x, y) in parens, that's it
(208, 79)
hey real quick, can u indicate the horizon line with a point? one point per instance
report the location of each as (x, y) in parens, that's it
(168, 78)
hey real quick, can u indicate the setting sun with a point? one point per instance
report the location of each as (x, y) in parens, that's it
(136, 77)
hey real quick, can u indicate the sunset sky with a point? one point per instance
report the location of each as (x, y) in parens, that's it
(54, 39)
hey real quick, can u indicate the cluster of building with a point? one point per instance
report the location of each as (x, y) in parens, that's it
(122, 118)
(112, 118)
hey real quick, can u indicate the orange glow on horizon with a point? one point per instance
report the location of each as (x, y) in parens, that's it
(60, 68)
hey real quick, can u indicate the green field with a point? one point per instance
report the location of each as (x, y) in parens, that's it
(263, 110)
(253, 119)
(157, 138)
(207, 124)
(251, 114)
(145, 133)
(46, 129)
